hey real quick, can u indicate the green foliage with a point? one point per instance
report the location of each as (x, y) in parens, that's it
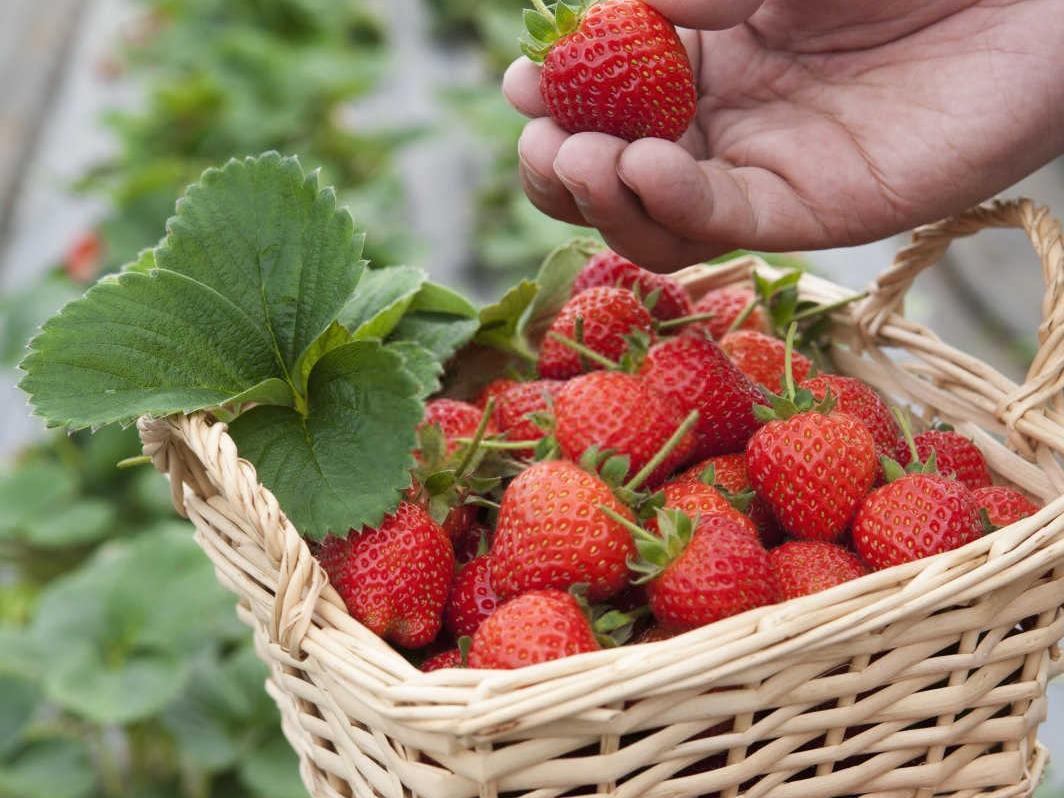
(254, 296)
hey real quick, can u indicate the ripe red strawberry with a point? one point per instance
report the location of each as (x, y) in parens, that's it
(455, 419)
(726, 304)
(955, 456)
(458, 520)
(813, 469)
(803, 567)
(1003, 505)
(394, 579)
(495, 389)
(915, 516)
(83, 258)
(608, 314)
(623, 413)
(451, 658)
(535, 627)
(696, 375)
(858, 399)
(551, 533)
(514, 408)
(697, 499)
(615, 67)
(698, 575)
(609, 268)
(760, 357)
(472, 598)
(729, 473)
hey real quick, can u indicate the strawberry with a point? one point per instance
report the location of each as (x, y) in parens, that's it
(515, 407)
(696, 575)
(954, 455)
(455, 419)
(726, 304)
(394, 579)
(472, 598)
(809, 566)
(696, 375)
(915, 516)
(727, 472)
(810, 464)
(83, 258)
(599, 319)
(615, 66)
(535, 627)
(858, 399)
(551, 534)
(621, 413)
(451, 658)
(760, 357)
(495, 389)
(609, 268)
(1003, 506)
(458, 520)
(697, 499)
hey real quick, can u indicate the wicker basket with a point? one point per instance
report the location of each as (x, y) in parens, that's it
(927, 679)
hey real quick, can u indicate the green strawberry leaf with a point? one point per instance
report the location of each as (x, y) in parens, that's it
(434, 298)
(336, 334)
(265, 236)
(555, 282)
(440, 333)
(380, 301)
(422, 364)
(77, 524)
(500, 323)
(155, 343)
(255, 266)
(31, 491)
(344, 464)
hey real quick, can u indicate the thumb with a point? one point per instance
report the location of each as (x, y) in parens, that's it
(707, 14)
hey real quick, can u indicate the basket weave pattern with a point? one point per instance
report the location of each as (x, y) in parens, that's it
(926, 679)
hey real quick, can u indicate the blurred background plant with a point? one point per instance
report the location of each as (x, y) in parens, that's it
(123, 671)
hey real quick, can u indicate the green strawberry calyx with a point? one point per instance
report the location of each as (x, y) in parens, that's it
(792, 400)
(610, 626)
(545, 25)
(656, 552)
(892, 469)
(740, 501)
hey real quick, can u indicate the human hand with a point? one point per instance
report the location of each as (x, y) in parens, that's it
(819, 124)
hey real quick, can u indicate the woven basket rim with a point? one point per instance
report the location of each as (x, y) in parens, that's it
(309, 616)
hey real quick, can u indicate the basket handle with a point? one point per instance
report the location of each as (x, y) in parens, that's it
(929, 244)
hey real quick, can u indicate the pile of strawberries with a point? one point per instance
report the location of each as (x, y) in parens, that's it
(670, 465)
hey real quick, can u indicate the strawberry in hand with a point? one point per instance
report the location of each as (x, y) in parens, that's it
(615, 66)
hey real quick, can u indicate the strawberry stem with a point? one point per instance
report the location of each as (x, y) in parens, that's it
(744, 314)
(823, 310)
(638, 533)
(584, 351)
(659, 456)
(668, 324)
(541, 7)
(788, 359)
(906, 427)
(477, 440)
(501, 445)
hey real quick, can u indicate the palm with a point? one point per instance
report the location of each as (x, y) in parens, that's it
(820, 123)
(874, 126)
